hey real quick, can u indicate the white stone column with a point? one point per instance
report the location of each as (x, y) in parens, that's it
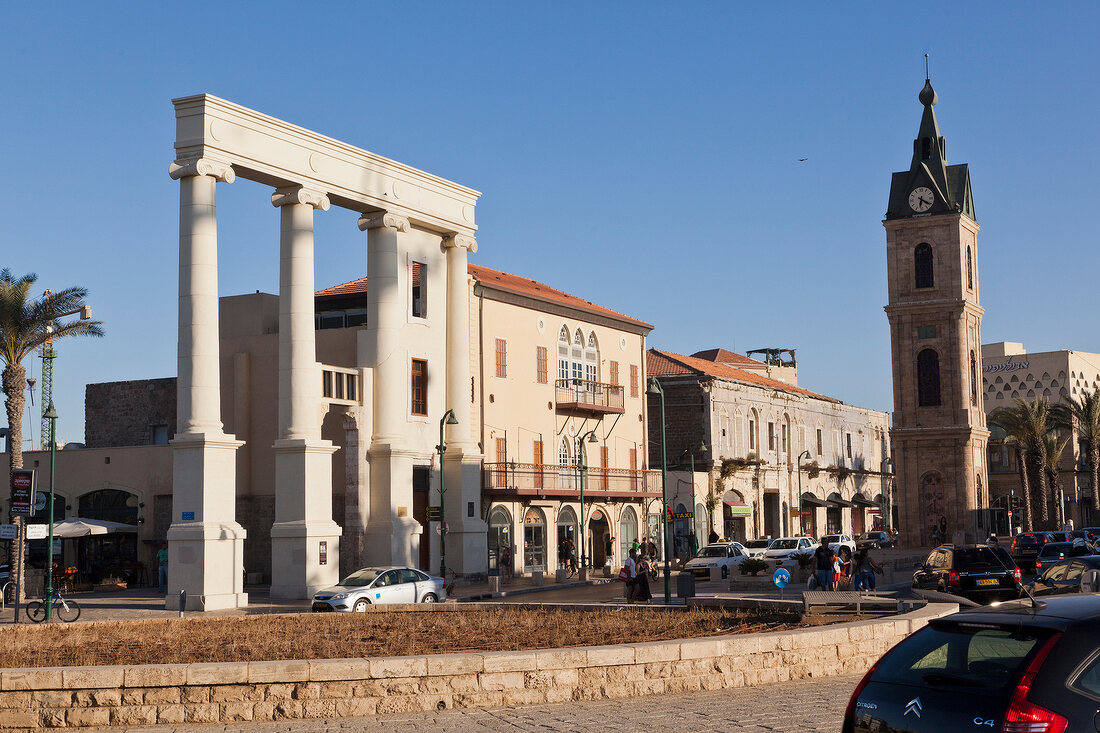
(205, 543)
(305, 549)
(392, 534)
(467, 552)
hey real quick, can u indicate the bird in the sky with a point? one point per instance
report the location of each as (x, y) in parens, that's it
(802, 160)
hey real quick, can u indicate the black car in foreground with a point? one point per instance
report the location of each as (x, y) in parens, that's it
(1019, 667)
(979, 572)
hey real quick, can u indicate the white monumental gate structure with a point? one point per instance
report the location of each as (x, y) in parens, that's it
(413, 362)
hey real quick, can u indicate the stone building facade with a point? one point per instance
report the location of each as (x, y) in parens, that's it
(770, 459)
(141, 412)
(939, 432)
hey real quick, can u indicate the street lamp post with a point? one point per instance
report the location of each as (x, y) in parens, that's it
(447, 419)
(801, 516)
(655, 389)
(590, 436)
(51, 415)
(885, 508)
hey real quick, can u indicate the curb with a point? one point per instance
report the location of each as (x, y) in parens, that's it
(533, 589)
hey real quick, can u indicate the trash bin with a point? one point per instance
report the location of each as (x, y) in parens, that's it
(685, 585)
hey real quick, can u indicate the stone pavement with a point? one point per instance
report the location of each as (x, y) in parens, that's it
(802, 706)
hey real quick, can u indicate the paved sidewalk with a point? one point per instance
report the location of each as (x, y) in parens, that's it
(804, 706)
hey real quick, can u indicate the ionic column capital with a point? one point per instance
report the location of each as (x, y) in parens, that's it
(383, 219)
(460, 240)
(299, 195)
(202, 167)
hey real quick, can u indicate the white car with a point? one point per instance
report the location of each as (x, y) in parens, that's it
(725, 555)
(836, 541)
(756, 548)
(372, 586)
(784, 552)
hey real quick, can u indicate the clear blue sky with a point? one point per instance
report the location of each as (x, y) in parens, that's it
(640, 155)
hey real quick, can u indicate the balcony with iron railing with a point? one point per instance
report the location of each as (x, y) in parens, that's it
(564, 481)
(586, 396)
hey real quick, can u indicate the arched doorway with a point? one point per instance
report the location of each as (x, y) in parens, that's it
(810, 504)
(858, 519)
(877, 523)
(834, 514)
(534, 540)
(108, 555)
(702, 525)
(500, 536)
(735, 514)
(628, 530)
(599, 532)
(567, 529)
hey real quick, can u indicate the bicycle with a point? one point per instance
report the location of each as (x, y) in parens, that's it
(67, 611)
(569, 565)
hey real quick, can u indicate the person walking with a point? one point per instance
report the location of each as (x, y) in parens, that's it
(641, 580)
(823, 566)
(629, 574)
(864, 568)
(162, 571)
(609, 550)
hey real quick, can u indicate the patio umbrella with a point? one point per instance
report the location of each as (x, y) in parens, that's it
(78, 527)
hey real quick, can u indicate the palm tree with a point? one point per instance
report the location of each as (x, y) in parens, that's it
(1054, 450)
(1027, 425)
(1084, 414)
(24, 326)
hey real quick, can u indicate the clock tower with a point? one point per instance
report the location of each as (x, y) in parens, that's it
(939, 433)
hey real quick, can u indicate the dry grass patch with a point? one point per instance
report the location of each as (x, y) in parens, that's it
(350, 635)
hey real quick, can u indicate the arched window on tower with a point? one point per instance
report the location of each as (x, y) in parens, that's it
(973, 380)
(928, 378)
(969, 269)
(922, 265)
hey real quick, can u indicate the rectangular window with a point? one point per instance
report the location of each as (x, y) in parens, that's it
(419, 290)
(338, 380)
(501, 474)
(771, 436)
(563, 369)
(613, 372)
(502, 358)
(419, 387)
(848, 442)
(326, 384)
(353, 386)
(819, 446)
(783, 433)
(160, 434)
(926, 332)
(634, 468)
(540, 364)
(603, 465)
(752, 435)
(633, 380)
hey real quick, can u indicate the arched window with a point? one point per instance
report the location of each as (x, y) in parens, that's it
(534, 540)
(500, 530)
(567, 529)
(928, 378)
(973, 379)
(577, 355)
(922, 265)
(563, 353)
(969, 269)
(628, 530)
(592, 360)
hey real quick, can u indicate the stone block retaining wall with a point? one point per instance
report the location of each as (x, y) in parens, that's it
(147, 695)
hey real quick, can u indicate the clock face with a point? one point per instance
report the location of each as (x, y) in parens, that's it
(921, 199)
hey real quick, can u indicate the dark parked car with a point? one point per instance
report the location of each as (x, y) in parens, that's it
(1049, 554)
(1026, 546)
(979, 572)
(1065, 576)
(1059, 537)
(874, 540)
(1020, 666)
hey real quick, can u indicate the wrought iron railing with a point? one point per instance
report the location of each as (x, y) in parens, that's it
(586, 395)
(548, 479)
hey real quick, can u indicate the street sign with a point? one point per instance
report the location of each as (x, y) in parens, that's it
(782, 578)
(22, 491)
(322, 552)
(8, 531)
(434, 514)
(40, 500)
(38, 531)
(671, 517)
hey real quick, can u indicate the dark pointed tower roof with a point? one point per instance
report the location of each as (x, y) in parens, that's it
(950, 184)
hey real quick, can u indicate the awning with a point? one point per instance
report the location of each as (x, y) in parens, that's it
(860, 501)
(738, 508)
(811, 500)
(840, 503)
(78, 527)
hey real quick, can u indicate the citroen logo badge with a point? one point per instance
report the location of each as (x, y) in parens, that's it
(913, 706)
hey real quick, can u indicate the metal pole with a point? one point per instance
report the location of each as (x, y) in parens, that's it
(655, 386)
(442, 513)
(51, 415)
(584, 528)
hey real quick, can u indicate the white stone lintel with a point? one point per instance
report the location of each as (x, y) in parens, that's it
(289, 195)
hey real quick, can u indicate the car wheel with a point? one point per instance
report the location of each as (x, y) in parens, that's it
(725, 572)
(361, 605)
(429, 598)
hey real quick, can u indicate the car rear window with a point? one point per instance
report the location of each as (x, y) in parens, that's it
(1055, 549)
(961, 657)
(969, 557)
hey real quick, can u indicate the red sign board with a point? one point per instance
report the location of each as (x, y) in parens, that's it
(22, 491)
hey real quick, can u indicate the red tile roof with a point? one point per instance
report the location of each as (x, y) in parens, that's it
(508, 283)
(728, 357)
(668, 364)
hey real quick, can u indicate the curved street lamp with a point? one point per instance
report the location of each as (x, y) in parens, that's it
(655, 389)
(590, 436)
(447, 419)
(801, 516)
(51, 415)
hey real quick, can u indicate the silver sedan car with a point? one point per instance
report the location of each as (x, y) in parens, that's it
(380, 585)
